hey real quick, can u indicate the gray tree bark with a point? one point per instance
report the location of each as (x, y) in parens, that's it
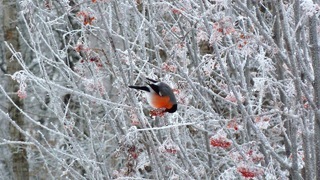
(19, 158)
(316, 85)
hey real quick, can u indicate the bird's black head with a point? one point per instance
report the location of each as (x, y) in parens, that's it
(172, 109)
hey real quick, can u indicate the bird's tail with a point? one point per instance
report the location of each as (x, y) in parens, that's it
(143, 88)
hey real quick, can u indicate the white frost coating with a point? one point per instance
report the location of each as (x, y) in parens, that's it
(309, 7)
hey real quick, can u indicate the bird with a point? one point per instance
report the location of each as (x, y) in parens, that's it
(159, 95)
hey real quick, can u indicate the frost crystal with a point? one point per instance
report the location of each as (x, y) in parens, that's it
(309, 7)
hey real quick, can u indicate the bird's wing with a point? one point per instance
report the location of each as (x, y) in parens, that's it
(154, 81)
(143, 88)
(165, 90)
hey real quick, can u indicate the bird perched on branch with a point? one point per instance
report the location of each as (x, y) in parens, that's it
(159, 95)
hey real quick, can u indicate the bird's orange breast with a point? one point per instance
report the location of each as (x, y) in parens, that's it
(161, 101)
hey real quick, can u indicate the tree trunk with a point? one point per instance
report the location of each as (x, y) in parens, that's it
(316, 86)
(19, 154)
